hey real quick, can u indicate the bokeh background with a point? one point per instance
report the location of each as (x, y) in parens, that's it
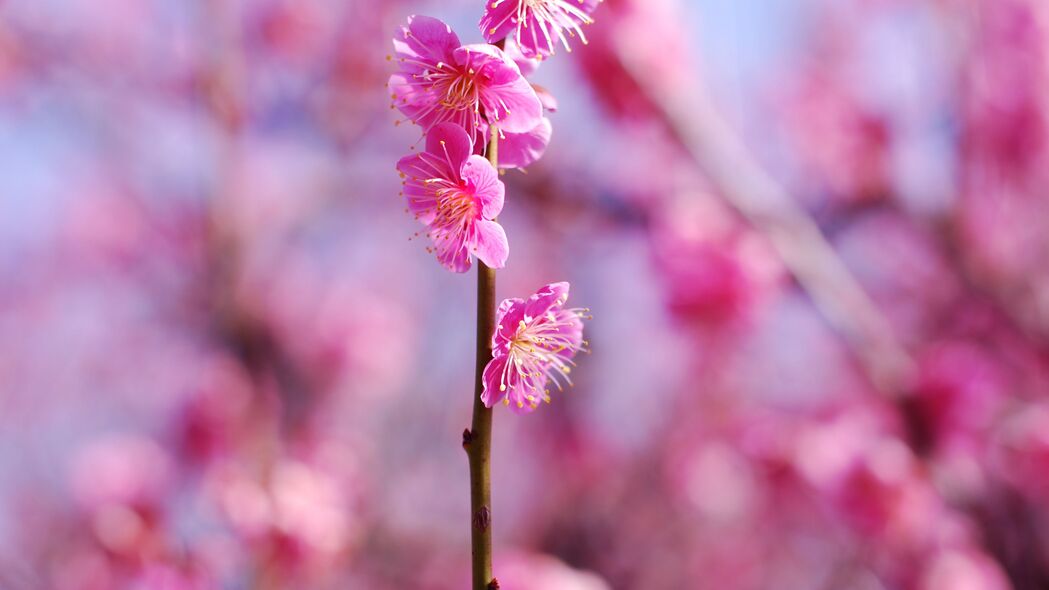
(813, 234)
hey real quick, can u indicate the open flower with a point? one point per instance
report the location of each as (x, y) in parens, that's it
(472, 86)
(537, 25)
(457, 196)
(534, 339)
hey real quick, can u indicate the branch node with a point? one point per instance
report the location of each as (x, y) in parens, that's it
(468, 438)
(483, 519)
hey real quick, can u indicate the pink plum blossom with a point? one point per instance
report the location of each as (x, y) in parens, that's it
(457, 195)
(534, 338)
(963, 569)
(528, 571)
(299, 514)
(537, 25)
(120, 469)
(473, 86)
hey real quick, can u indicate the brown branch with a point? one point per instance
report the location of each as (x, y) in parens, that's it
(478, 440)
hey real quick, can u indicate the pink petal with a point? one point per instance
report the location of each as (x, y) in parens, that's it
(487, 188)
(428, 37)
(571, 326)
(534, 41)
(422, 201)
(527, 65)
(519, 387)
(453, 254)
(542, 38)
(491, 245)
(497, 22)
(547, 99)
(546, 298)
(525, 408)
(478, 55)
(450, 143)
(506, 317)
(517, 150)
(493, 371)
(499, 383)
(513, 107)
(404, 96)
(508, 99)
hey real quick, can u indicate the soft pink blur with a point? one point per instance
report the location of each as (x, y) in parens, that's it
(224, 364)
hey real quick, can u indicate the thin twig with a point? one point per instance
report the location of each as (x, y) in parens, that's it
(724, 159)
(478, 440)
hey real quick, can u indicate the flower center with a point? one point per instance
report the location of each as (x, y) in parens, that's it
(455, 205)
(540, 336)
(460, 92)
(455, 212)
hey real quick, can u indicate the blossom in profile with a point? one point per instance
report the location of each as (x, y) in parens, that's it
(457, 195)
(537, 26)
(535, 340)
(473, 86)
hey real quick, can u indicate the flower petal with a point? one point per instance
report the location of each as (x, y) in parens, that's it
(513, 106)
(569, 325)
(498, 20)
(491, 380)
(546, 97)
(546, 298)
(405, 97)
(452, 253)
(507, 316)
(527, 65)
(422, 201)
(451, 143)
(487, 188)
(427, 37)
(491, 245)
(522, 386)
(507, 98)
(517, 150)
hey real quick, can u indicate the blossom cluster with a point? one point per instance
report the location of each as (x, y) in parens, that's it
(473, 101)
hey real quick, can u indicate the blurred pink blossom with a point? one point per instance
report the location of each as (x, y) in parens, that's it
(540, 572)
